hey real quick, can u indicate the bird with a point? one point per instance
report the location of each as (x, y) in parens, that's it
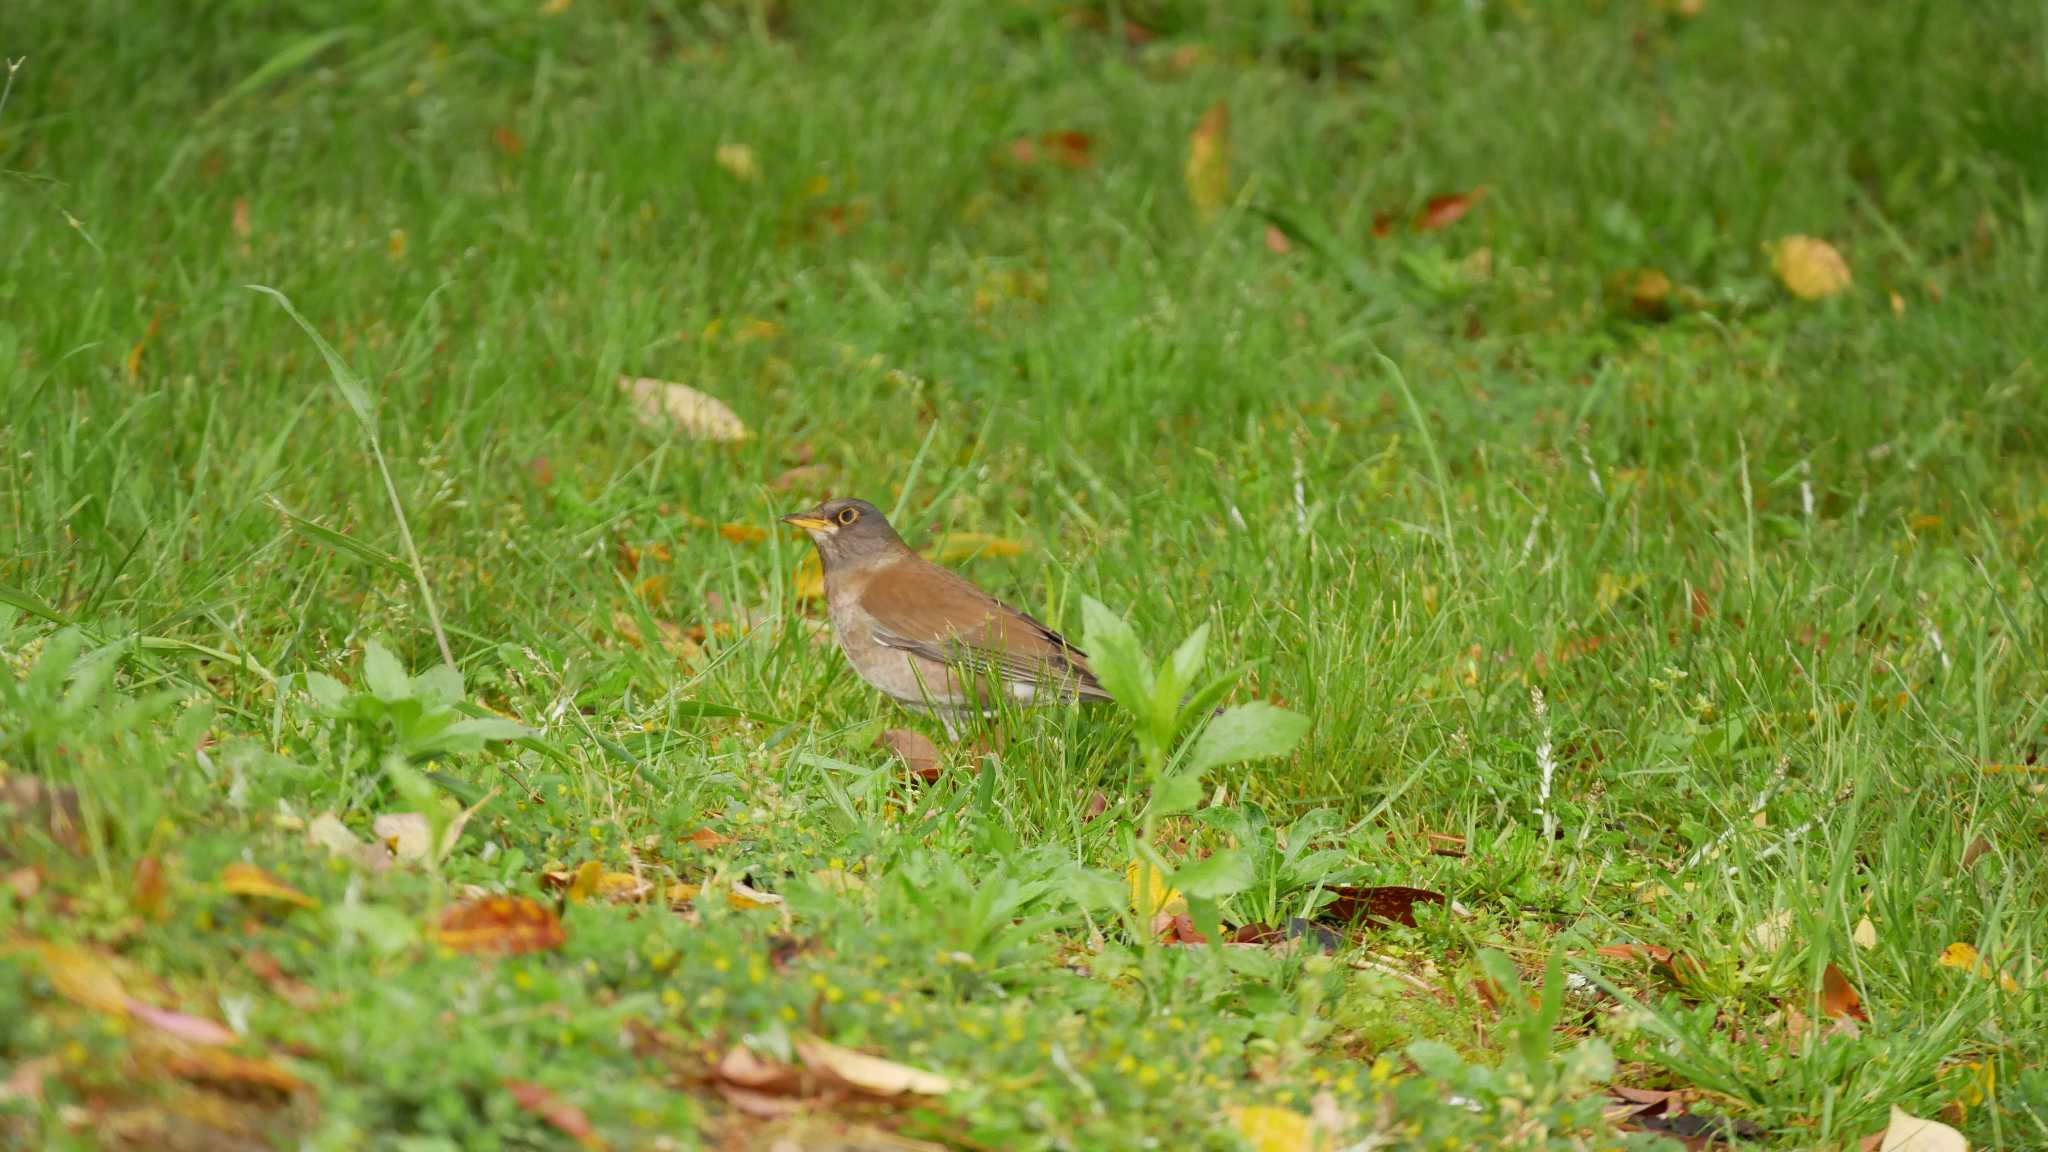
(927, 637)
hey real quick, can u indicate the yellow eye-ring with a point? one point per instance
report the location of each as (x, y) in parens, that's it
(848, 515)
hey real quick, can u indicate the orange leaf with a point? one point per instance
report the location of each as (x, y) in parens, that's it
(1838, 997)
(248, 880)
(501, 926)
(563, 1116)
(1277, 241)
(150, 890)
(707, 839)
(915, 749)
(83, 978)
(1069, 149)
(1388, 902)
(1440, 212)
(507, 140)
(1810, 269)
(743, 533)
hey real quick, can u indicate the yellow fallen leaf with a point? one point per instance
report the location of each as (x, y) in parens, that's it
(1208, 168)
(1773, 932)
(1811, 269)
(965, 545)
(743, 533)
(681, 893)
(1965, 957)
(583, 883)
(1865, 935)
(661, 404)
(1150, 895)
(740, 896)
(1269, 1129)
(738, 162)
(870, 1074)
(809, 581)
(248, 880)
(83, 978)
(1909, 1133)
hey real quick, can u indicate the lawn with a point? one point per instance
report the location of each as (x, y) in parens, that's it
(1619, 430)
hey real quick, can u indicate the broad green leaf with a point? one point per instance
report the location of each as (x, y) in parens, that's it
(1203, 700)
(1174, 679)
(1177, 793)
(441, 684)
(1226, 872)
(383, 674)
(1252, 731)
(1119, 661)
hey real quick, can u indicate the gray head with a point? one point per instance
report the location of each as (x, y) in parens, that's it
(848, 531)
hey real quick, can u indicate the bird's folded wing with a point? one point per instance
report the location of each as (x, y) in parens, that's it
(942, 617)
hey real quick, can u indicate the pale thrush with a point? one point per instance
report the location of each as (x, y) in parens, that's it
(926, 637)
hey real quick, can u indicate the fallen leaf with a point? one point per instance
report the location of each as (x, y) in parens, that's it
(25, 1080)
(560, 1114)
(663, 405)
(738, 162)
(555, 7)
(740, 895)
(1440, 212)
(1645, 291)
(24, 883)
(148, 890)
(1208, 167)
(743, 533)
(1810, 269)
(1978, 849)
(1268, 1129)
(1096, 804)
(680, 894)
(1176, 928)
(500, 926)
(1150, 896)
(807, 477)
(84, 978)
(541, 471)
(1388, 902)
(191, 1029)
(959, 546)
(507, 140)
(1865, 935)
(761, 1105)
(1966, 957)
(239, 221)
(870, 1074)
(915, 749)
(133, 364)
(267, 969)
(1909, 1133)
(247, 880)
(227, 1070)
(1771, 934)
(1838, 997)
(746, 1068)
(1277, 242)
(330, 833)
(808, 583)
(1069, 149)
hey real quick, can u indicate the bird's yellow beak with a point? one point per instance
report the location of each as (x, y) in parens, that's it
(806, 522)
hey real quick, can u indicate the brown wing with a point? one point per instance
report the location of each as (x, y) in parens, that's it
(936, 614)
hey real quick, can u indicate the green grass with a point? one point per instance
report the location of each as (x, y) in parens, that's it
(1773, 565)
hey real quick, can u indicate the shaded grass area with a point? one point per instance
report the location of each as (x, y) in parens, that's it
(1771, 564)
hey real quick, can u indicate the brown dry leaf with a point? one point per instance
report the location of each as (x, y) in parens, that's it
(267, 969)
(1978, 849)
(707, 839)
(1909, 1133)
(739, 163)
(133, 364)
(330, 833)
(25, 1080)
(663, 405)
(807, 477)
(1440, 212)
(959, 546)
(239, 222)
(507, 140)
(915, 749)
(1810, 269)
(24, 883)
(1277, 242)
(1838, 997)
(1072, 150)
(1646, 292)
(541, 471)
(748, 1069)
(148, 889)
(743, 533)
(870, 1074)
(560, 1114)
(500, 926)
(1176, 928)
(1208, 167)
(760, 1105)
(84, 978)
(227, 1070)
(1387, 902)
(1096, 804)
(249, 881)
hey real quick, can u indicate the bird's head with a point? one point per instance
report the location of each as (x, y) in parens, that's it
(847, 530)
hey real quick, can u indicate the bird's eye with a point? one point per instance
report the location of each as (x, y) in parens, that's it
(848, 515)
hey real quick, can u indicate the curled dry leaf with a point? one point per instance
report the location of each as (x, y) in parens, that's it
(1909, 1133)
(1208, 167)
(663, 405)
(744, 1067)
(1838, 997)
(251, 882)
(327, 831)
(870, 1074)
(915, 749)
(1391, 902)
(1810, 269)
(739, 895)
(500, 926)
(560, 1114)
(1440, 212)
